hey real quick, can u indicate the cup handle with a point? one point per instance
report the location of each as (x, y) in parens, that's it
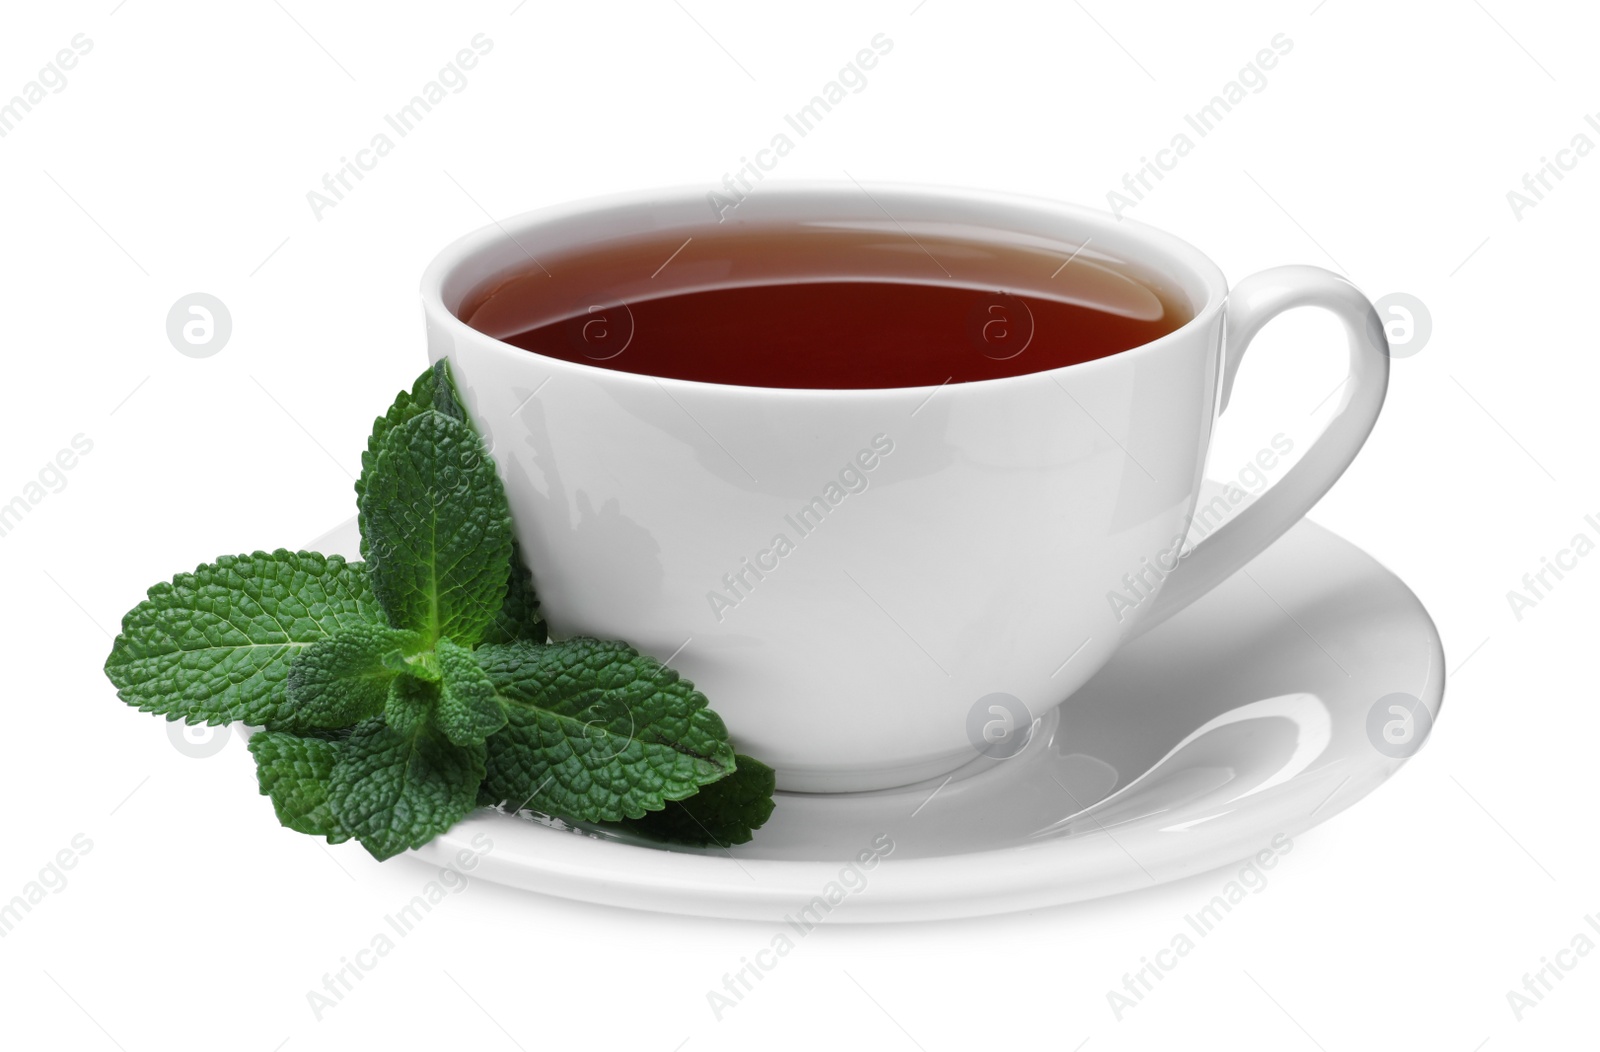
(1251, 304)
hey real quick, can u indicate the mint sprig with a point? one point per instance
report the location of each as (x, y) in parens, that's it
(438, 530)
(294, 772)
(216, 645)
(396, 790)
(599, 730)
(397, 693)
(341, 680)
(727, 811)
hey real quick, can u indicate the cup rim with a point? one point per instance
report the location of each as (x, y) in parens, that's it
(1171, 256)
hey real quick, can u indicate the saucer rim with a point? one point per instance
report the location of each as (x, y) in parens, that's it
(950, 885)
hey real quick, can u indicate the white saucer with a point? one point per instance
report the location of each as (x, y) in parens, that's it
(1257, 712)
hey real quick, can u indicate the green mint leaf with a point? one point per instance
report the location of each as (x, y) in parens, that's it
(345, 678)
(519, 617)
(294, 772)
(597, 732)
(216, 645)
(435, 519)
(469, 711)
(723, 813)
(433, 392)
(410, 704)
(394, 792)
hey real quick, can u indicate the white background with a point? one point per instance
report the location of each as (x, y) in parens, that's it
(178, 158)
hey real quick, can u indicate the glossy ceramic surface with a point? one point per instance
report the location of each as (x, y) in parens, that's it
(1246, 717)
(995, 520)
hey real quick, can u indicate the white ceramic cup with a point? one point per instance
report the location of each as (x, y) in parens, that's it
(973, 571)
